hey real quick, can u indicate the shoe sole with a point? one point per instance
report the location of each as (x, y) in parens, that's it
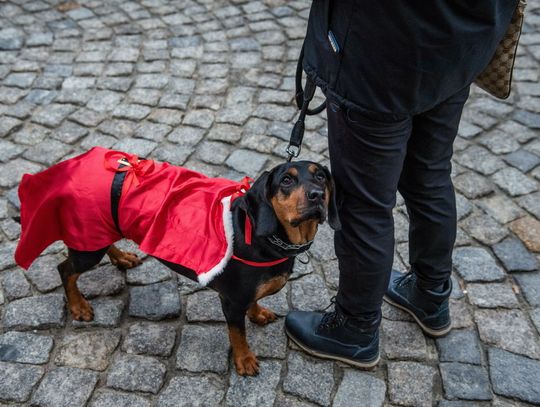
(435, 333)
(363, 365)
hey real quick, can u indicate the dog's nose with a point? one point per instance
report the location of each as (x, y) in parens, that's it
(315, 194)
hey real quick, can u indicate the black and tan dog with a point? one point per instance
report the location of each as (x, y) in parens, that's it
(283, 207)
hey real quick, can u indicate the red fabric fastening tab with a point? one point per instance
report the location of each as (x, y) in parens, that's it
(247, 230)
(242, 188)
(260, 263)
(134, 167)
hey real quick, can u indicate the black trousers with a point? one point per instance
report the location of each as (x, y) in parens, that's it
(373, 158)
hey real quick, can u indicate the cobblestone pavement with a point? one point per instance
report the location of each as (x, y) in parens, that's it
(208, 84)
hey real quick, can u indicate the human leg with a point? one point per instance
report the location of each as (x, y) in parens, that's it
(366, 156)
(426, 187)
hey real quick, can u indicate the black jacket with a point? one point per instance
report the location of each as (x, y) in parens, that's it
(401, 57)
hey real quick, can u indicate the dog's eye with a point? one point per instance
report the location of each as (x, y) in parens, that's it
(286, 180)
(319, 176)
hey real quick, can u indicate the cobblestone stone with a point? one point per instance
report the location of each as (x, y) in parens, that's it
(514, 256)
(484, 228)
(410, 383)
(476, 264)
(23, 347)
(480, 160)
(531, 203)
(514, 182)
(17, 381)
(140, 147)
(89, 350)
(155, 301)
(403, 340)
(492, 295)
(460, 346)
(509, 330)
(150, 272)
(268, 341)
(463, 381)
(360, 386)
(15, 285)
(187, 391)
(136, 373)
(530, 285)
(257, 390)
(65, 387)
(203, 349)
(52, 115)
(107, 313)
(522, 160)
(109, 398)
(309, 379)
(501, 208)
(43, 273)
(527, 229)
(12, 172)
(150, 339)
(9, 150)
(514, 375)
(47, 152)
(309, 293)
(472, 185)
(105, 280)
(460, 314)
(40, 312)
(204, 306)
(246, 162)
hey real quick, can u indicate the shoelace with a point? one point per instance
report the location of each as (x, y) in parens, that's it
(406, 279)
(332, 319)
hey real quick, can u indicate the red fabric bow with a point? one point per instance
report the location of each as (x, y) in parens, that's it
(134, 167)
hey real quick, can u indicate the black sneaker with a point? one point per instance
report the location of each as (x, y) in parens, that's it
(428, 308)
(333, 335)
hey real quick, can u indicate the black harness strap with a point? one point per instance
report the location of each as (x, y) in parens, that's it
(116, 193)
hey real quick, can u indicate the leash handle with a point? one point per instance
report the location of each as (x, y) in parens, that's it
(303, 98)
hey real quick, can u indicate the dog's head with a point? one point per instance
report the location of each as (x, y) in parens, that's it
(298, 196)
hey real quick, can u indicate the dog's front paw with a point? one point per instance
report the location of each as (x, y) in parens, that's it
(81, 310)
(246, 364)
(261, 316)
(125, 260)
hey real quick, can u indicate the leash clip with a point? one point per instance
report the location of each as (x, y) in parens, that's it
(292, 152)
(307, 260)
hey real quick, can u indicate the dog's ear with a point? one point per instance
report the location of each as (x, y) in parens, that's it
(260, 209)
(333, 218)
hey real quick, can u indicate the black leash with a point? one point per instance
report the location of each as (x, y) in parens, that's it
(303, 98)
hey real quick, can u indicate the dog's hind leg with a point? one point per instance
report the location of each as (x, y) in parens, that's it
(245, 361)
(77, 263)
(121, 259)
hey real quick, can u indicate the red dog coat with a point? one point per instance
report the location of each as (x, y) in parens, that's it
(173, 213)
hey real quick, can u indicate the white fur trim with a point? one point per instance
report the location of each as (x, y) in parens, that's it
(208, 276)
